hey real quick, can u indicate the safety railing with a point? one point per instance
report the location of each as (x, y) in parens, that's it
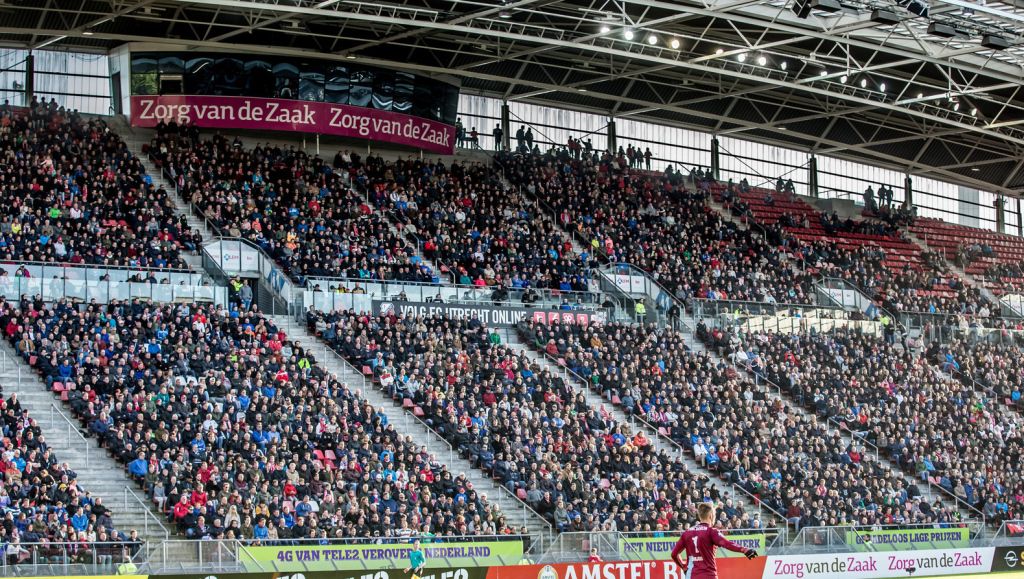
(578, 547)
(454, 293)
(57, 558)
(73, 437)
(105, 290)
(151, 524)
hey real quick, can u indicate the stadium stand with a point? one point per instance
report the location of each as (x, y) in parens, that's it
(519, 423)
(305, 213)
(659, 225)
(992, 258)
(874, 255)
(994, 367)
(789, 460)
(937, 429)
(47, 515)
(484, 233)
(73, 192)
(187, 395)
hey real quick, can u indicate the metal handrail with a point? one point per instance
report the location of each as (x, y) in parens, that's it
(129, 497)
(957, 500)
(406, 414)
(71, 427)
(527, 507)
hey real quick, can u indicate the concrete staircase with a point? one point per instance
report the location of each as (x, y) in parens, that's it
(661, 443)
(98, 473)
(516, 512)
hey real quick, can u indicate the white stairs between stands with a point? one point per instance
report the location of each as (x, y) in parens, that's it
(515, 511)
(98, 473)
(660, 443)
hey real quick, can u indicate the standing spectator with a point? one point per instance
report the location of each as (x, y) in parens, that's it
(245, 294)
(498, 134)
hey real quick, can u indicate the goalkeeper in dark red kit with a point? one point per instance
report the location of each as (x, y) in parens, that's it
(700, 542)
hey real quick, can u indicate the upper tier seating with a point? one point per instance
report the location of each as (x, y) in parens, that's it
(71, 191)
(303, 212)
(983, 254)
(660, 226)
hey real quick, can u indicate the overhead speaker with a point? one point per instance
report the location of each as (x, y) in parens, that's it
(883, 16)
(826, 5)
(941, 30)
(995, 42)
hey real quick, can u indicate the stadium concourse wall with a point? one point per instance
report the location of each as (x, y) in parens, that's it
(968, 562)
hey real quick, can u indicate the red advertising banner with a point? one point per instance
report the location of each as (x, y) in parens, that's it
(728, 568)
(262, 114)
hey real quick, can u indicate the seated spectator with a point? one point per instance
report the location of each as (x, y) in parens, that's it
(227, 412)
(72, 192)
(519, 423)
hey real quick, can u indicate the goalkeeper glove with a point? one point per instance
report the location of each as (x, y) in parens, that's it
(750, 553)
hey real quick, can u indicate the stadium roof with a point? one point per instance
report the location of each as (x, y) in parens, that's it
(931, 101)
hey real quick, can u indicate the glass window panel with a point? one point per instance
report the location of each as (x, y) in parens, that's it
(404, 83)
(228, 77)
(336, 88)
(199, 75)
(286, 80)
(383, 90)
(259, 75)
(311, 81)
(171, 65)
(361, 92)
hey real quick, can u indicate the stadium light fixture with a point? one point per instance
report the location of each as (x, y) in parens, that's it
(605, 29)
(506, 14)
(783, 65)
(628, 34)
(652, 40)
(742, 57)
(843, 79)
(881, 87)
(674, 43)
(762, 60)
(974, 112)
(956, 106)
(863, 83)
(824, 72)
(718, 51)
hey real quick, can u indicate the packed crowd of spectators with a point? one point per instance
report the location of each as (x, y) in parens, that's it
(47, 516)
(661, 224)
(71, 191)
(524, 425)
(791, 461)
(928, 286)
(487, 234)
(993, 365)
(233, 431)
(304, 212)
(936, 428)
